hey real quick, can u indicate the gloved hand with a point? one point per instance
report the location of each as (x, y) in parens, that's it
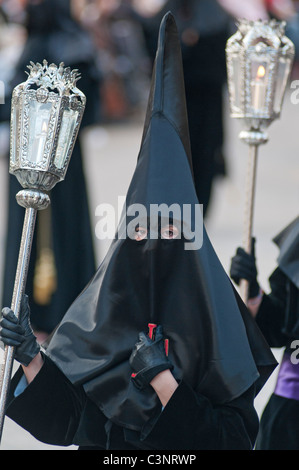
(18, 333)
(243, 266)
(149, 358)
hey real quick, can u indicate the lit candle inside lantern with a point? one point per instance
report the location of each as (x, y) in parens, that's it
(259, 88)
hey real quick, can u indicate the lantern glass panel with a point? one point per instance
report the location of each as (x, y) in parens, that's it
(16, 112)
(66, 132)
(39, 117)
(283, 71)
(259, 77)
(236, 84)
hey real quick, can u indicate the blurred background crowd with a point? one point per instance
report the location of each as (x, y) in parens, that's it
(113, 44)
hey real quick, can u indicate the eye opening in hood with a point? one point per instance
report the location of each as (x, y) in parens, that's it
(164, 228)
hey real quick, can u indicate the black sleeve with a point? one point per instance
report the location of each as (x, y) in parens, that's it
(272, 311)
(49, 408)
(190, 421)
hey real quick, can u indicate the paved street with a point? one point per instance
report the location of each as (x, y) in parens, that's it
(110, 158)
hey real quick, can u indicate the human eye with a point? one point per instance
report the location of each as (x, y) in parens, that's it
(140, 233)
(169, 232)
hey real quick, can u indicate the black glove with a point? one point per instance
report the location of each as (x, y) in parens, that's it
(243, 266)
(18, 333)
(149, 358)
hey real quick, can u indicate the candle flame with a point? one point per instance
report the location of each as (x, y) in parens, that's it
(261, 71)
(44, 127)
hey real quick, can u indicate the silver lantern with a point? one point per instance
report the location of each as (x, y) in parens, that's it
(259, 60)
(45, 118)
(46, 114)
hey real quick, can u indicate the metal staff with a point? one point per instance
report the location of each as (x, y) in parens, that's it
(259, 59)
(253, 139)
(46, 114)
(32, 201)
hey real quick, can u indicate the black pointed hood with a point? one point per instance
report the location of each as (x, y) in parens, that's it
(164, 159)
(288, 242)
(178, 283)
(167, 93)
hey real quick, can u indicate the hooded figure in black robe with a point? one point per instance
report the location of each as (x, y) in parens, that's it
(278, 318)
(168, 282)
(147, 278)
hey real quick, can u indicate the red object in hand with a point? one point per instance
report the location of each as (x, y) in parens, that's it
(166, 344)
(151, 330)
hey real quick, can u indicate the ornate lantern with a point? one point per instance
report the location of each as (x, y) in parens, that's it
(46, 114)
(45, 118)
(259, 60)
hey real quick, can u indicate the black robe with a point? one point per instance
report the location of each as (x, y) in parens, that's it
(59, 413)
(278, 318)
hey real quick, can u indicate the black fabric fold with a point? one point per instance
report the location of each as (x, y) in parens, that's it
(288, 259)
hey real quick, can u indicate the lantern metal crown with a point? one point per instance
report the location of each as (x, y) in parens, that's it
(259, 59)
(46, 114)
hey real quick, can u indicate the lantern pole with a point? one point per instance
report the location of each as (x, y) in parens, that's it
(46, 114)
(253, 138)
(259, 59)
(32, 201)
